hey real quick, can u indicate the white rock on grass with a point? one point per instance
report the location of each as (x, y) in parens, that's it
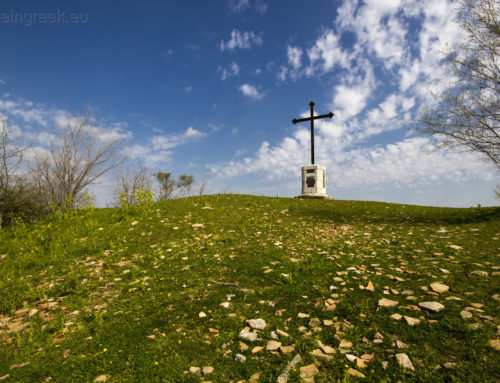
(272, 345)
(248, 335)
(240, 358)
(404, 361)
(431, 306)
(411, 321)
(465, 314)
(257, 324)
(384, 302)
(439, 287)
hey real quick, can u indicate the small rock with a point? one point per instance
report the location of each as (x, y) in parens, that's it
(400, 344)
(411, 321)
(254, 378)
(248, 335)
(495, 344)
(197, 226)
(287, 349)
(272, 345)
(378, 335)
(431, 306)
(384, 302)
(225, 304)
(308, 372)
(314, 322)
(396, 316)
(240, 358)
(404, 361)
(439, 287)
(465, 314)
(202, 314)
(257, 349)
(257, 324)
(243, 346)
(356, 373)
(302, 315)
(101, 378)
(282, 333)
(344, 343)
(370, 286)
(479, 273)
(318, 354)
(450, 365)
(194, 370)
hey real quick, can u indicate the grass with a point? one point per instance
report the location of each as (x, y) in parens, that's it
(116, 294)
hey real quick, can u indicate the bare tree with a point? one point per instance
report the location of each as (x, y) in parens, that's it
(11, 157)
(77, 157)
(130, 181)
(467, 113)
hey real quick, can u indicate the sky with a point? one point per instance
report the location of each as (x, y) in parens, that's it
(210, 88)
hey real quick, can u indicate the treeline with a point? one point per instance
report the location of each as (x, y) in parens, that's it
(38, 182)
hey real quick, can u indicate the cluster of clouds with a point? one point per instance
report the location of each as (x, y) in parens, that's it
(37, 125)
(384, 76)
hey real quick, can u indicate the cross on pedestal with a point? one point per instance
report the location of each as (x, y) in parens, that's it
(312, 118)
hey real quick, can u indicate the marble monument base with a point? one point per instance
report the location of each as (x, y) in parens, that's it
(314, 182)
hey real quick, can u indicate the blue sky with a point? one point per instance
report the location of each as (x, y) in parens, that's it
(210, 89)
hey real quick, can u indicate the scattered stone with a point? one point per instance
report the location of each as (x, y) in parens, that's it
(351, 358)
(101, 378)
(302, 315)
(439, 287)
(283, 377)
(243, 346)
(287, 349)
(19, 365)
(314, 322)
(248, 335)
(450, 365)
(326, 349)
(411, 321)
(225, 304)
(396, 316)
(431, 306)
(495, 344)
(400, 344)
(344, 343)
(356, 373)
(257, 324)
(370, 286)
(479, 273)
(272, 345)
(404, 361)
(384, 302)
(254, 378)
(327, 322)
(194, 370)
(4, 377)
(202, 314)
(318, 354)
(455, 247)
(307, 372)
(282, 333)
(378, 335)
(257, 349)
(385, 364)
(197, 226)
(274, 335)
(240, 358)
(207, 370)
(465, 314)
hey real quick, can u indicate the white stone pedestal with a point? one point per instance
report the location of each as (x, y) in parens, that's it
(314, 182)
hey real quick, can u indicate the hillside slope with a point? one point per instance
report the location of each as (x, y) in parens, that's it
(162, 293)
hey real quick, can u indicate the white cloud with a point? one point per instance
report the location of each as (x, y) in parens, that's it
(294, 57)
(232, 71)
(326, 53)
(251, 91)
(241, 40)
(188, 89)
(240, 6)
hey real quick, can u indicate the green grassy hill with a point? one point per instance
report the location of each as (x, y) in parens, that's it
(161, 293)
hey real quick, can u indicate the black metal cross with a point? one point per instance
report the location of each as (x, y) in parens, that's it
(312, 118)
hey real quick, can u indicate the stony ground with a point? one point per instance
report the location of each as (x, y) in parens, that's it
(251, 289)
